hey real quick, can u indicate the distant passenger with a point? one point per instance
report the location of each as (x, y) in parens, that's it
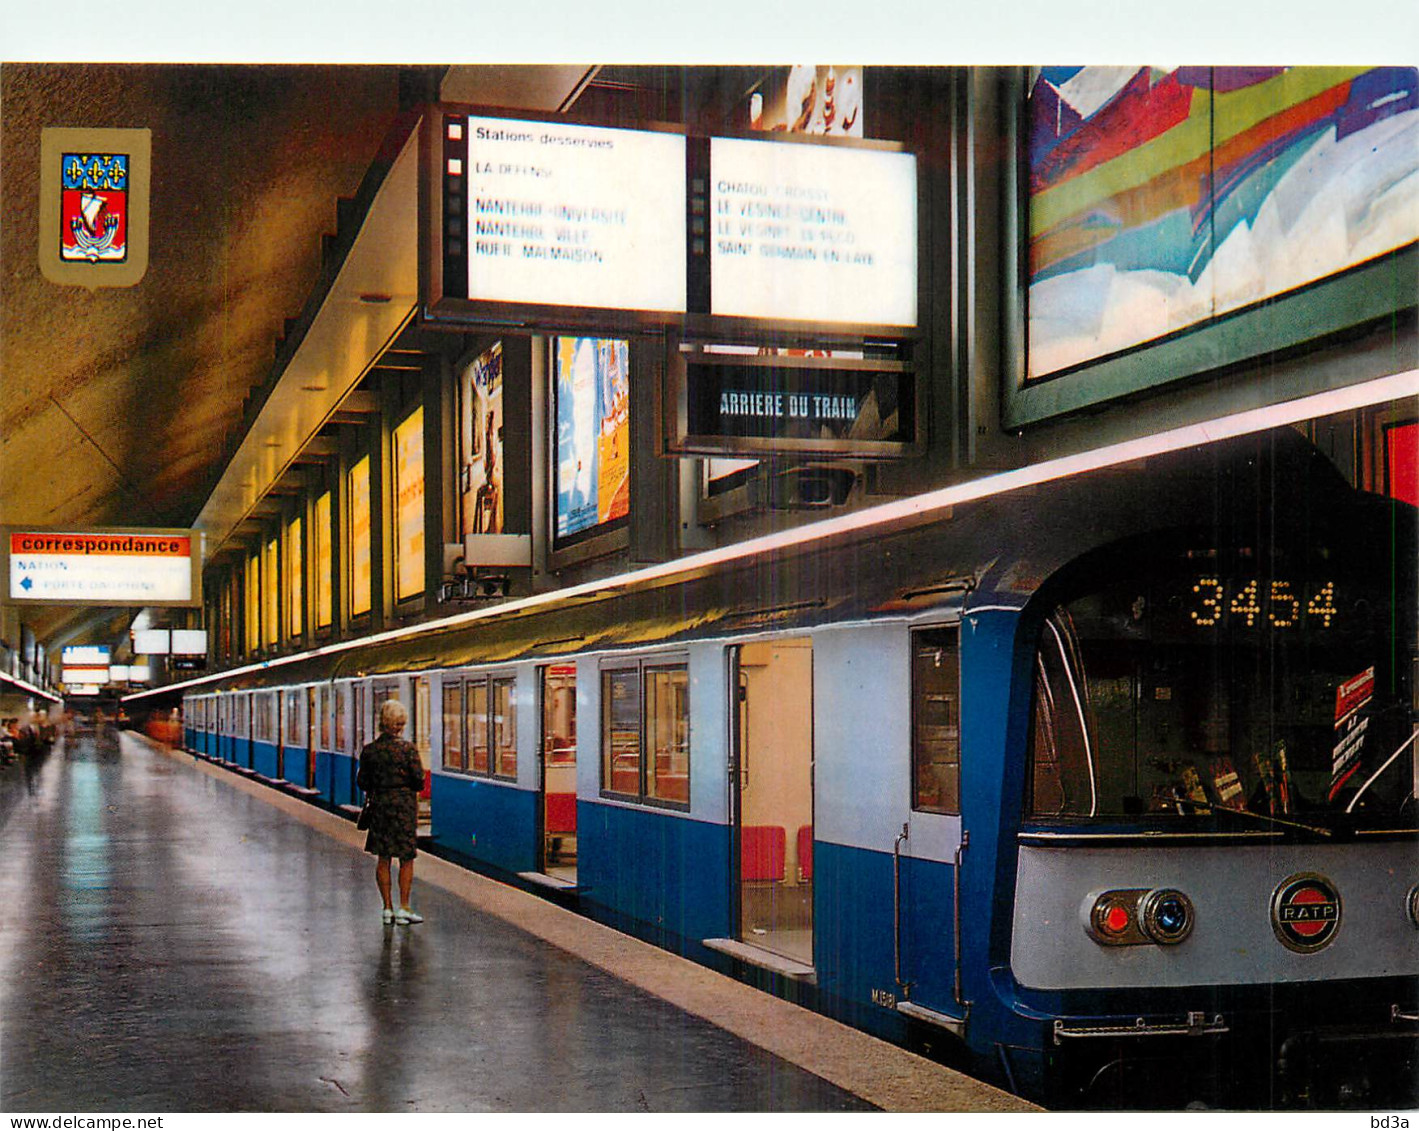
(392, 775)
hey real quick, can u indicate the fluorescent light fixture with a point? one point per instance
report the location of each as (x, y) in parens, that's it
(1394, 387)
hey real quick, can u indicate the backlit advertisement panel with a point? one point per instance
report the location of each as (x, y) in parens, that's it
(295, 574)
(79, 655)
(271, 587)
(813, 233)
(359, 557)
(324, 604)
(570, 215)
(481, 442)
(409, 506)
(591, 392)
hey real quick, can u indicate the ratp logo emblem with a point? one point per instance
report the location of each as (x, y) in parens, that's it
(93, 212)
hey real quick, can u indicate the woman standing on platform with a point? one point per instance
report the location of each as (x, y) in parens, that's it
(392, 775)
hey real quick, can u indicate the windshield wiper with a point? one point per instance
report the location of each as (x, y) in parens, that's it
(1266, 818)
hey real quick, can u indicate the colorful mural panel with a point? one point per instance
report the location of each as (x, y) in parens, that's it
(1159, 199)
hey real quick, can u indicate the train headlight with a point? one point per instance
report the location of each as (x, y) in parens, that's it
(1166, 916)
(1113, 918)
(1412, 903)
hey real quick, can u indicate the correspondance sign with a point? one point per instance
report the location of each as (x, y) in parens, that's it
(553, 225)
(103, 567)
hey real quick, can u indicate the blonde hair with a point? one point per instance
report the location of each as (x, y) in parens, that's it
(392, 716)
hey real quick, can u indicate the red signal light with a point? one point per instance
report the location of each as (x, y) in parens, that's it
(1116, 919)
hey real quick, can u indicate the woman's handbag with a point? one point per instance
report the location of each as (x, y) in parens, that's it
(363, 820)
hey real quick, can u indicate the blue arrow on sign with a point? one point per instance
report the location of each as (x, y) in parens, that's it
(27, 584)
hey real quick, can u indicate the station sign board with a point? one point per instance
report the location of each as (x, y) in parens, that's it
(152, 641)
(86, 673)
(547, 225)
(189, 642)
(728, 403)
(550, 214)
(105, 566)
(807, 232)
(76, 655)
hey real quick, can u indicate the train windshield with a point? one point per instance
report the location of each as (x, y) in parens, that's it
(1220, 690)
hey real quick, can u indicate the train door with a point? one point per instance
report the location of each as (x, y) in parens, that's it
(281, 733)
(420, 721)
(312, 716)
(558, 796)
(359, 732)
(929, 854)
(772, 790)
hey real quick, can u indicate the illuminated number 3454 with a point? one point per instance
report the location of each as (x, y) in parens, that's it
(1283, 608)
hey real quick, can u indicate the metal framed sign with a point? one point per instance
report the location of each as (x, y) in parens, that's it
(546, 225)
(103, 566)
(93, 209)
(728, 403)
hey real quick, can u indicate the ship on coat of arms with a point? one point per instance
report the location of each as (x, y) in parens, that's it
(94, 208)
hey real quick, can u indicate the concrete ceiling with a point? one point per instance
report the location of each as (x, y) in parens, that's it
(117, 405)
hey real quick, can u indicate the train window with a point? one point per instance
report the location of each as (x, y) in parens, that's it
(262, 709)
(453, 726)
(621, 731)
(936, 721)
(667, 732)
(293, 717)
(504, 728)
(322, 700)
(645, 733)
(342, 704)
(1229, 691)
(477, 721)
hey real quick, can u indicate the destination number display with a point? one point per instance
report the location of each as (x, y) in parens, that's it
(1218, 602)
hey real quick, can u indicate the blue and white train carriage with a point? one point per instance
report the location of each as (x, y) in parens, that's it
(1101, 783)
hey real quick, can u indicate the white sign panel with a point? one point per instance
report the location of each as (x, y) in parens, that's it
(566, 215)
(81, 654)
(152, 642)
(189, 641)
(118, 673)
(813, 233)
(85, 673)
(100, 568)
(137, 673)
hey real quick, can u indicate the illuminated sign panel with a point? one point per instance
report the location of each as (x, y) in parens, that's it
(271, 585)
(359, 492)
(78, 655)
(103, 567)
(409, 506)
(189, 642)
(813, 233)
(591, 391)
(253, 604)
(481, 442)
(568, 215)
(295, 574)
(324, 603)
(152, 641)
(85, 673)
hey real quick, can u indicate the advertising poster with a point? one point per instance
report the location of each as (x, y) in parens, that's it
(1160, 198)
(409, 506)
(481, 432)
(324, 610)
(809, 100)
(359, 489)
(253, 604)
(592, 396)
(295, 571)
(271, 583)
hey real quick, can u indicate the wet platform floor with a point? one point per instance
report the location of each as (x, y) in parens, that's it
(176, 942)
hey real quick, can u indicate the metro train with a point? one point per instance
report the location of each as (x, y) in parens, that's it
(1100, 786)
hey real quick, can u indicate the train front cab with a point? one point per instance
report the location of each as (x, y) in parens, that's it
(1209, 859)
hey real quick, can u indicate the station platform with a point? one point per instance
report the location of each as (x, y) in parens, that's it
(178, 938)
